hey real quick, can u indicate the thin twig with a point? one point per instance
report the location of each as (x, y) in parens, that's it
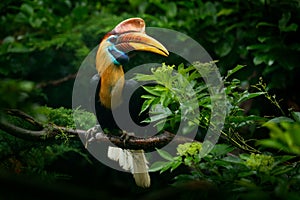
(57, 82)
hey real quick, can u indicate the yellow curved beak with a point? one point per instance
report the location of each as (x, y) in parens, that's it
(130, 41)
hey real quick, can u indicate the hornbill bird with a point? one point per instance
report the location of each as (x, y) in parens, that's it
(129, 35)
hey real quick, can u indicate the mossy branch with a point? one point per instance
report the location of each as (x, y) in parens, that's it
(51, 130)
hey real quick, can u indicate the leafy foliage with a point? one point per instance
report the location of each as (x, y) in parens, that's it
(243, 175)
(180, 93)
(251, 172)
(284, 135)
(16, 92)
(175, 96)
(40, 35)
(33, 158)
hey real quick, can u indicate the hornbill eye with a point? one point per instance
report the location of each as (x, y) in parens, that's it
(118, 57)
(112, 39)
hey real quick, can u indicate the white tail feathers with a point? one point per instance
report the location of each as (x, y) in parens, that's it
(140, 169)
(134, 161)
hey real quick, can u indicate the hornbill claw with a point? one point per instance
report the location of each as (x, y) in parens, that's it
(91, 134)
(126, 136)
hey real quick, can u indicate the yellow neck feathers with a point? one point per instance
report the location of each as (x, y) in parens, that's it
(111, 76)
(112, 83)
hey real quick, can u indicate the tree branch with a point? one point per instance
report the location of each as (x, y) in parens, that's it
(26, 117)
(52, 130)
(21, 132)
(136, 143)
(56, 82)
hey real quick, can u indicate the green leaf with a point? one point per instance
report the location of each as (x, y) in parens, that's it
(166, 167)
(225, 46)
(277, 120)
(152, 90)
(225, 11)
(27, 86)
(296, 116)
(158, 112)
(282, 23)
(165, 154)
(144, 77)
(261, 47)
(259, 59)
(146, 104)
(176, 164)
(281, 170)
(157, 166)
(245, 174)
(18, 48)
(27, 9)
(221, 149)
(35, 22)
(282, 159)
(272, 144)
(244, 156)
(248, 96)
(291, 27)
(233, 159)
(234, 70)
(8, 40)
(267, 24)
(171, 9)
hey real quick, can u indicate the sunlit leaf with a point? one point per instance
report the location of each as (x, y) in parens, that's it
(225, 11)
(175, 165)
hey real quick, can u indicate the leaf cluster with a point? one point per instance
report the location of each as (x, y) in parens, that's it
(284, 134)
(243, 174)
(176, 96)
(253, 172)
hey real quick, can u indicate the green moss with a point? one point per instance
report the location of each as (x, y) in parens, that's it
(65, 117)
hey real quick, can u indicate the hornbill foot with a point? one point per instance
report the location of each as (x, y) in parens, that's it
(91, 134)
(126, 136)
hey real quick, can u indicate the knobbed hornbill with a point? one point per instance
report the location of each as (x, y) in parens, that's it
(129, 35)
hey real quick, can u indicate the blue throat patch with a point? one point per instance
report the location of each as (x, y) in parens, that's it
(118, 57)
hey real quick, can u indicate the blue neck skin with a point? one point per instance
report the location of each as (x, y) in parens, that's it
(118, 57)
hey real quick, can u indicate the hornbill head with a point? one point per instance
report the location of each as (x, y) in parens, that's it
(129, 35)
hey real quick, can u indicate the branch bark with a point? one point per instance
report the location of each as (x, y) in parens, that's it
(56, 82)
(52, 130)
